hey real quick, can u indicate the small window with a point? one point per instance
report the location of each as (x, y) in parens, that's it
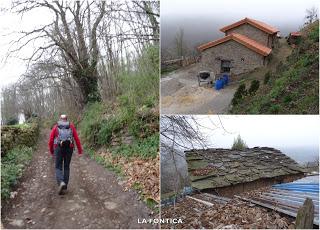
(242, 59)
(225, 66)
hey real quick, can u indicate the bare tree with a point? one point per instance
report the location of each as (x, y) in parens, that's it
(180, 133)
(9, 109)
(177, 134)
(179, 44)
(311, 15)
(81, 54)
(78, 30)
(68, 36)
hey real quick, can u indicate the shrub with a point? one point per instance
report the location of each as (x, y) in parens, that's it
(12, 165)
(254, 87)
(239, 144)
(141, 84)
(145, 148)
(314, 34)
(239, 94)
(287, 99)
(275, 109)
(267, 77)
(12, 121)
(90, 123)
(107, 127)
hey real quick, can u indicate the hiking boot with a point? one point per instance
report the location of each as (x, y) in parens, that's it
(62, 186)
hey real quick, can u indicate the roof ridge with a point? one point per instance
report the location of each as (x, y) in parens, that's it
(256, 23)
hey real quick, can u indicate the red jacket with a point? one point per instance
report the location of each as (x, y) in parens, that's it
(54, 134)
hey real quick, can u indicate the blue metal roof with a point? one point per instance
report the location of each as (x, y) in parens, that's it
(287, 198)
(299, 187)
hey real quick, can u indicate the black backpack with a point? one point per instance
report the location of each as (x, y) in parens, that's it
(65, 136)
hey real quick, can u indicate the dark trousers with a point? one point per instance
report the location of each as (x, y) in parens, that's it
(62, 163)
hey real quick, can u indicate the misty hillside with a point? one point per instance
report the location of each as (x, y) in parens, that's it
(293, 88)
(201, 29)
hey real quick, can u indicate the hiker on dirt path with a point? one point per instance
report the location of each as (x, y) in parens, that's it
(61, 144)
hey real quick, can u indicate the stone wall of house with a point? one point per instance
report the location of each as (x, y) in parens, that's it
(242, 59)
(252, 33)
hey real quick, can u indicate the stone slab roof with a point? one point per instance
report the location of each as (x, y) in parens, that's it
(214, 168)
(242, 39)
(258, 24)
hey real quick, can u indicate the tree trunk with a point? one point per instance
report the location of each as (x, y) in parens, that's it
(87, 80)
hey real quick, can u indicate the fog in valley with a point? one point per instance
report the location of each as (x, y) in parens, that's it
(201, 20)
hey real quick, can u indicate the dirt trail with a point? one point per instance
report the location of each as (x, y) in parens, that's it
(95, 197)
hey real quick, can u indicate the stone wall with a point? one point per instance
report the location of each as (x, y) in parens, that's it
(252, 33)
(243, 59)
(15, 135)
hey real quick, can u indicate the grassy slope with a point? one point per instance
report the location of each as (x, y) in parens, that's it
(293, 87)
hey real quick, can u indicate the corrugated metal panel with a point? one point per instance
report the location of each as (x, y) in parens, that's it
(302, 187)
(289, 197)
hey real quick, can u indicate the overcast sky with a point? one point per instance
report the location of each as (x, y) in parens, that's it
(264, 130)
(202, 19)
(10, 25)
(295, 135)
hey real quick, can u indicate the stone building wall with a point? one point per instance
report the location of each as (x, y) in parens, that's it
(252, 33)
(242, 59)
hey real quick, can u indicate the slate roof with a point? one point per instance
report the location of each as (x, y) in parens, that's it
(213, 168)
(258, 24)
(242, 39)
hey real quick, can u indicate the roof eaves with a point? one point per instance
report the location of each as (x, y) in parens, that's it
(265, 52)
(252, 22)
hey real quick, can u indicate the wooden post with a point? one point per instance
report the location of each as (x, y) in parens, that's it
(305, 215)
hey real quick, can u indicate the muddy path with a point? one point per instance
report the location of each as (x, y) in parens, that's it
(95, 197)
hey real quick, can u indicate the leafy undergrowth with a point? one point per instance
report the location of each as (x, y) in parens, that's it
(127, 128)
(17, 142)
(20, 134)
(12, 165)
(134, 111)
(235, 214)
(293, 88)
(141, 174)
(143, 148)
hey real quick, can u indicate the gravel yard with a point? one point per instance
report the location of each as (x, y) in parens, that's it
(181, 94)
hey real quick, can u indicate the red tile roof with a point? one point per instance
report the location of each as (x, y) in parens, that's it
(260, 25)
(296, 34)
(244, 40)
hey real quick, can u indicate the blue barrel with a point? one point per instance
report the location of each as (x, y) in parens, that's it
(226, 79)
(222, 82)
(219, 84)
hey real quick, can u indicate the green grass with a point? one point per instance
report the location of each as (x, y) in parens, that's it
(12, 165)
(132, 111)
(145, 148)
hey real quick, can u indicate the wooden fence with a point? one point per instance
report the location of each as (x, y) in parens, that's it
(173, 64)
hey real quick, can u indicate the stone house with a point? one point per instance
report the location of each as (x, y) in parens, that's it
(246, 46)
(227, 172)
(293, 38)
